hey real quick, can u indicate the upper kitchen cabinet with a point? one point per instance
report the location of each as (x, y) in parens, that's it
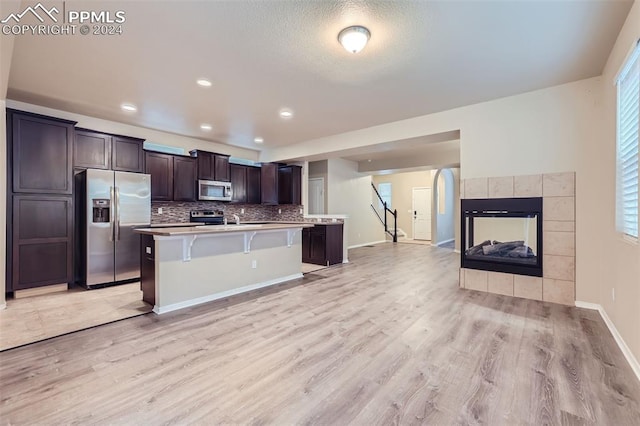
(245, 184)
(184, 179)
(269, 183)
(238, 175)
(253, 185)
(212, 166)
(173, 177)
(127, 154)
(290, 185)
(160, 167)
(41, 153)
(94, 150)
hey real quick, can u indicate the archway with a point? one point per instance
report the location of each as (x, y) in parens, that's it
(443, 212)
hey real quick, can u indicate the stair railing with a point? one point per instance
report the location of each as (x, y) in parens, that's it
(382, 215)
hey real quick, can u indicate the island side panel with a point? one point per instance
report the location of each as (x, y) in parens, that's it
(219, 267)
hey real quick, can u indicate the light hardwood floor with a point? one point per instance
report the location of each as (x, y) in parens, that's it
(387, 339)
(31, 319)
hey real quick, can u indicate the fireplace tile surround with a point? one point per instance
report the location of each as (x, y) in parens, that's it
(558, 281)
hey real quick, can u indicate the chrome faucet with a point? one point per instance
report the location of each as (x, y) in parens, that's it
(237, 219)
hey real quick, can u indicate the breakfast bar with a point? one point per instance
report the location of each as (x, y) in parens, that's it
(189, 265)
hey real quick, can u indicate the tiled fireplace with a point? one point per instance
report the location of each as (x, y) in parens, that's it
(551, 246)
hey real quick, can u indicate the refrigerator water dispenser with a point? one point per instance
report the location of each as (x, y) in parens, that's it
(101, 210)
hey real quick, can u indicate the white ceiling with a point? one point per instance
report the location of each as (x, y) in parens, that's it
(261, 56)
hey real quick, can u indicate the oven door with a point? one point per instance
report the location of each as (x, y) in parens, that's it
(210, 190)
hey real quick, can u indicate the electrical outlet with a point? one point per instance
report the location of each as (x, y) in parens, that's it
(279, 211)
(148, 250)
(241, 211)
(159, 210)
(254, 264)
(613, 294)
(300, 211)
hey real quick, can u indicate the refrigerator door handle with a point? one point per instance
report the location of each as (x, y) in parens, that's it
(117, 227)
(111, 216)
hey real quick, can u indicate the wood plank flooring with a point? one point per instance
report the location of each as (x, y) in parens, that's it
(30, 319)
(387, 339)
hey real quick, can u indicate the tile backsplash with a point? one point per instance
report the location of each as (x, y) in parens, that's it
(177, 212)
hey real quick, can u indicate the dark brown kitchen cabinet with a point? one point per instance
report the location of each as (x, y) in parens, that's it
(221, 168)
(42, 241)
(322, 244)
(173, 177)
(184, 178)
(160, 167)
(238, 174)
(127, 154)
(269, 183)
(212, 166)
(253, 185)
(148, 269)
(290, 185)
(245, 184)
(94, 150)
(41, 153)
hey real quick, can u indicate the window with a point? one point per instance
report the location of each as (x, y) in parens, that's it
(628, 124)
(384, 189)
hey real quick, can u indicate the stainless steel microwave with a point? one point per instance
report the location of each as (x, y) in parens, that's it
(211, 190)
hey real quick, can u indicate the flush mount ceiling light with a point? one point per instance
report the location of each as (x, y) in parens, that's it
(354, 38)
(286, 113)
(203, 82)
(258, 140)
(129, 107)
(206, 127)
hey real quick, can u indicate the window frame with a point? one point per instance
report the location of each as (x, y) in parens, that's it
(631, 64)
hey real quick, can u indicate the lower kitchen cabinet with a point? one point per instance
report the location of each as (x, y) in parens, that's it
(42, 252)
(322, 244)
(148, 269)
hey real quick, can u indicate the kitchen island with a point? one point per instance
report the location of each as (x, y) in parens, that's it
(188, 265)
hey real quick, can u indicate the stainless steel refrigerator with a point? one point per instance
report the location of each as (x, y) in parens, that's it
(117, 202)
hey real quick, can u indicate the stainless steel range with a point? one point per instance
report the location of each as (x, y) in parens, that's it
(210, 217)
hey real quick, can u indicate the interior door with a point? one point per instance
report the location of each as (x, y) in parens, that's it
(422, 213)
(316, 196)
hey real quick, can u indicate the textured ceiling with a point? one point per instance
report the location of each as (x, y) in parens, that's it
(261, 56)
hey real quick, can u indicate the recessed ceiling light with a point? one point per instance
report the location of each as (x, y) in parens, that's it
(206, 127)
(258, 140)
(203, 82)
(286, 113)
(129, 107)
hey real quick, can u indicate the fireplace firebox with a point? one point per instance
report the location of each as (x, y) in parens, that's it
(502, 235)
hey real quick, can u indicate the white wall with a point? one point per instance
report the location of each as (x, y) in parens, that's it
(349, 192)
(604, 260)
(402, 185)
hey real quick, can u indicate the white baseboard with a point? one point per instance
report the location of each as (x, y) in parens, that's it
(197, 301)
(631, 359)
(444, 242)
(456, 251)
(3, 306)
(367, 244)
